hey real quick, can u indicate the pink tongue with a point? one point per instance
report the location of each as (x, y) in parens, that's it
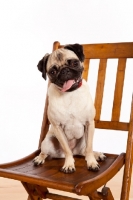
(67, 85)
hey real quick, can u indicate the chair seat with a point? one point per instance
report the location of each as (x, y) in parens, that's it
(81, 181)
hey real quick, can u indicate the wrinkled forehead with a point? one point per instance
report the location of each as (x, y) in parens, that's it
(59, 57)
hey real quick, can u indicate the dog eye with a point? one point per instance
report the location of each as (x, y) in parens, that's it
(73, 62)
(53, 71)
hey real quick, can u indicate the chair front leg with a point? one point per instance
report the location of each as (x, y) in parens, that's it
(33, 191)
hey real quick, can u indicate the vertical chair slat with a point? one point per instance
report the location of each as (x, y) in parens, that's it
(128, 160)
(100, 87)
(86, 69)
(118, 89)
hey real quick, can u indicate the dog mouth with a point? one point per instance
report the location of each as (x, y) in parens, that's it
(69, 84)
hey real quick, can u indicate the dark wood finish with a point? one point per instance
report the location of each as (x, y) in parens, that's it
(33, 192)
(36, 180)
(49, 175)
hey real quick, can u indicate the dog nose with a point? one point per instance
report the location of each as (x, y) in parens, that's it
(65, 71)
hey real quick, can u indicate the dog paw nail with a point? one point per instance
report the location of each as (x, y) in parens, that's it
(102, 159)
(67, 171)
(94, 169)
(36, 164)
(61, 169)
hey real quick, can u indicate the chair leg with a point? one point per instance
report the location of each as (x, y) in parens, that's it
(29, 198)
(35, 192)
(95, 196)
(105, 194)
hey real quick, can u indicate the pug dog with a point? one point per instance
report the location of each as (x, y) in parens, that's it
(71, 110)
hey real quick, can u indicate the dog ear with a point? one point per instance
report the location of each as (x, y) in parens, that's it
(77, 49)
(42, 65)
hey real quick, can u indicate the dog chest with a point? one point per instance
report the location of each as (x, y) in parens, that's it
(76, 105)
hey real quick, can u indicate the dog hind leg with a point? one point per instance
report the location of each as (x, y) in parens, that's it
(81, 147)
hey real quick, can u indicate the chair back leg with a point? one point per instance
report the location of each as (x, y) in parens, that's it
(105, 194)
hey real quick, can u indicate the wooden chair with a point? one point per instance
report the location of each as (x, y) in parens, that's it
(36, 180)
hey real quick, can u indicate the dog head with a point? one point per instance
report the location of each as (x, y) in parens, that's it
(64, 66)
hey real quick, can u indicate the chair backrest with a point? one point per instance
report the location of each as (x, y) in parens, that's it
(122, 52)
(103, 52)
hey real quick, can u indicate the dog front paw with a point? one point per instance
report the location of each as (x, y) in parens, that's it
(94, 167)
(39, 159)
(92, 164)
(68, 167)
(99, 156)
(68, 170)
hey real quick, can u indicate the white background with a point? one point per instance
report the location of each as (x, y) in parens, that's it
(27, 30)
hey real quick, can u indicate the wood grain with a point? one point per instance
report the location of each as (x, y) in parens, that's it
(107, 50)
(86, 69)
(100, 87)
(118, 89)
(12, 189)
